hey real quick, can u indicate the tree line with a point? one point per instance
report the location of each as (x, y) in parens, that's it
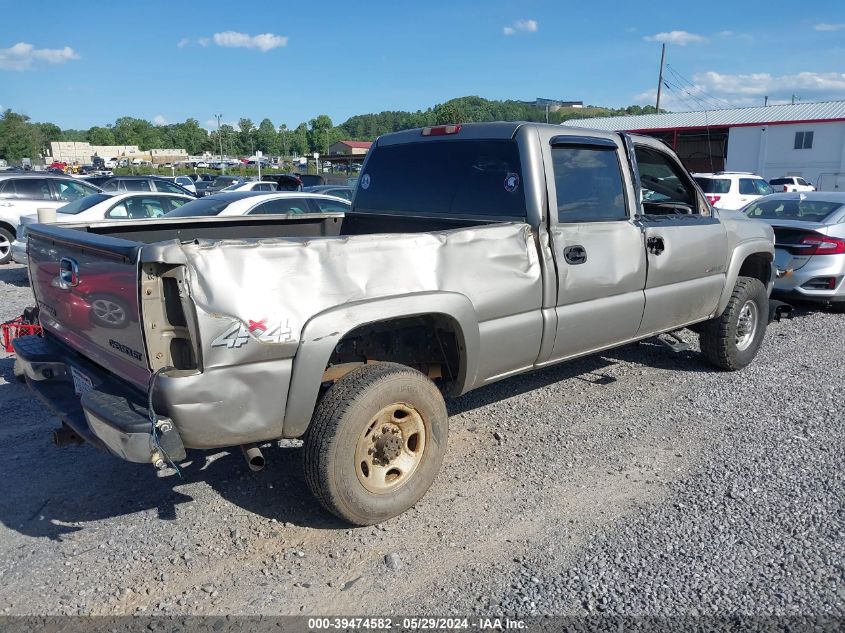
(22, 138)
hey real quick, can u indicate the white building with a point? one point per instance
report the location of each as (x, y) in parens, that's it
(804, 139)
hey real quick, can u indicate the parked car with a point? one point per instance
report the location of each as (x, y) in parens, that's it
(791, 183)
(120, 184)
(104, 206)
(221, 182)
(809, 244)
(311, 180)
(23, 193)
(98, 180)
(254, 185)
(186, 182)
(337, 191)
(732, 189)
(284, 182)
(111, 163)
(347, 330)
(258, 203)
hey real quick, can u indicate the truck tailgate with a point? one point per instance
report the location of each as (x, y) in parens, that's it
(86, 287)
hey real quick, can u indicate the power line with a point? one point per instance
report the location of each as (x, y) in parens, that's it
(681, 78)
(702, 99)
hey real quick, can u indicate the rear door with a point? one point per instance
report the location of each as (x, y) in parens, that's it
(686, 244)
(597, 246)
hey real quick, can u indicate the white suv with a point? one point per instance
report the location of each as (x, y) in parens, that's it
(732, 189)
(790, 183)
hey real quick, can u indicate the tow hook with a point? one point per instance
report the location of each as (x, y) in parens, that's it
(778, 310)
(65, 436)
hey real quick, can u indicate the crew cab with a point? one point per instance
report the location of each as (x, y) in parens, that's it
(472, 253)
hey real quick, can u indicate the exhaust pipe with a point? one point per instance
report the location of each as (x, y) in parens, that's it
(253, 457)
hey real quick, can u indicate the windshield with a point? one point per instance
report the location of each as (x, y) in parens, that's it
(793, 209)
(477, 177)
(77, 206)
(202, 207)
(714, 185)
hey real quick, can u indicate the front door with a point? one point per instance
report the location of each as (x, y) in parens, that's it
(597, 246)
(686, 244)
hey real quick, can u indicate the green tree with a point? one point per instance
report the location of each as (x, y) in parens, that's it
(16, 137)
(266, 138)
(299, 140)
(101, 136)
(319, 127)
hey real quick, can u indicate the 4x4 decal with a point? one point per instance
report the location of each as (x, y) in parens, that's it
(238, 334)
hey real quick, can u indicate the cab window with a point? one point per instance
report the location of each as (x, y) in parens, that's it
(588, 184)
(330, 206)
(666, 187)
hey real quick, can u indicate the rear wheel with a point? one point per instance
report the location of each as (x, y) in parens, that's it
(6, 239)
(376, 442)
(731, 340)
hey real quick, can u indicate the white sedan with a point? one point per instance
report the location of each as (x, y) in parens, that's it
(265, 186)
(102, 206)
(257, 203)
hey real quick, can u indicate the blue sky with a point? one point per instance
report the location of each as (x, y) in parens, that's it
(90, 63)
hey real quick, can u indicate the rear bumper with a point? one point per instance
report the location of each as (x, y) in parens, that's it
(218, 408)
(794, 283)
(113, 416)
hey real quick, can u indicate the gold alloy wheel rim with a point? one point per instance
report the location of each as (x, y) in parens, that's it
(390, 449)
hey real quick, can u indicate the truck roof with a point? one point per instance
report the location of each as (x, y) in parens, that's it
(492, 130)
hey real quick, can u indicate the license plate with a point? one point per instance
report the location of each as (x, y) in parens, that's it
(81, 383)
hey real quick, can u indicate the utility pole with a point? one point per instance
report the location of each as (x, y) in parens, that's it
(660, 77)
(220, 138)
(766, 100)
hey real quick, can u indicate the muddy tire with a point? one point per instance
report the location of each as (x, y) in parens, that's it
(6, 239)
(376, 442)
(732, 340)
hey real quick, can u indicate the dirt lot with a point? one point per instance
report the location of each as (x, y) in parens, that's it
(634, 482)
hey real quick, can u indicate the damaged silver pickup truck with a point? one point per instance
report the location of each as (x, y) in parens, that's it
(471, 253)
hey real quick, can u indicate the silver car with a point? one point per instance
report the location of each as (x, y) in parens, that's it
(809, 244)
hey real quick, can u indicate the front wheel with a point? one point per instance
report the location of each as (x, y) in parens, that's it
(376, 442)
(731, 340)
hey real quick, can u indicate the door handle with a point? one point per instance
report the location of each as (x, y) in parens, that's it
(575, 254)
(655, 245)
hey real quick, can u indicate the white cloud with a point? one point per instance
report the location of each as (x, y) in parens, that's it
(203, 41)
(183, 42)
(825, 26)
(23, 56)
(159, 120)
(680, 38)
(263, 42)
(521, 26)
(725, 34)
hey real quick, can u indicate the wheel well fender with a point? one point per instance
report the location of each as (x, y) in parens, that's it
(749, 259)
(324, 331)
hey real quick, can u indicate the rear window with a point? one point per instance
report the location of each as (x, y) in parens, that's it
(794, 209)
(781, 181)
(444, 178)
(714, 185)
(80, 205)
(224, 181)
(202, 207)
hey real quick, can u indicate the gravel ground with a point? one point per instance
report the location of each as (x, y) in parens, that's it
(637, 482)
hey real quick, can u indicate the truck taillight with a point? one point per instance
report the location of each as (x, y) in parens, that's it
(713, 199)
(822, 245)
(441, 130)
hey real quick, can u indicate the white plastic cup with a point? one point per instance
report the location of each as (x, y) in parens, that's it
(46, 215)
